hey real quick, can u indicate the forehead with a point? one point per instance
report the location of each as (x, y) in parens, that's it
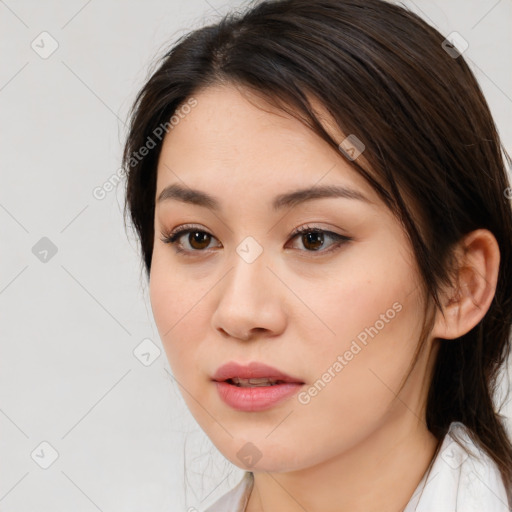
(234, 138)
(231, 119)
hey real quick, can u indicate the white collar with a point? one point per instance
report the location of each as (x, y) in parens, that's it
(462, 478)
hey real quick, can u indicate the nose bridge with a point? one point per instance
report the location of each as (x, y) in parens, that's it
(244, 300)
(249, 270)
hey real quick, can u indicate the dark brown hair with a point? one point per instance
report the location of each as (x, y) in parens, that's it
(431, 148)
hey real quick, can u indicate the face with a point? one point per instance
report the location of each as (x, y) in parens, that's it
(337, 308)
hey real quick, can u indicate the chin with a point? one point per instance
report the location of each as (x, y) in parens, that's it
(264, 456)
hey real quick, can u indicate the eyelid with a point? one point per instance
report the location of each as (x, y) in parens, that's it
(185, 227)
(339, 239)
(175, 234)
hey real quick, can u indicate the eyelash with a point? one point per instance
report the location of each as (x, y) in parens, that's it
(173, 237)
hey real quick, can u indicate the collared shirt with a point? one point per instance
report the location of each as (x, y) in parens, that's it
(461, 478)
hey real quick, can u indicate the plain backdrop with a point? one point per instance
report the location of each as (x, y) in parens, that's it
(90, 417)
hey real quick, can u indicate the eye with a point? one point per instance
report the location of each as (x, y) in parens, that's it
(198, 240)
(314, 238)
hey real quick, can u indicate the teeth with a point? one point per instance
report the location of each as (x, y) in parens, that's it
(246, 383)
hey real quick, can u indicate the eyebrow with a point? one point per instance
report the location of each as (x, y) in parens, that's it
(288, 199)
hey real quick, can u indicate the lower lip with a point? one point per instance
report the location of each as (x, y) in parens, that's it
(258, 398)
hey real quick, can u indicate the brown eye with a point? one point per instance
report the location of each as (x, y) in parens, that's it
(199, 239)
(188, 239)
(313, 240)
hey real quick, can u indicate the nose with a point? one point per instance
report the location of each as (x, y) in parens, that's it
(250, 301)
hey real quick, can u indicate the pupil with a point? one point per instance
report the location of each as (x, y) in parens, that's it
(312, 235)
(198, 237)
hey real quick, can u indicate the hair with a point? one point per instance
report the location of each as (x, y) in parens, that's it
(432, 153)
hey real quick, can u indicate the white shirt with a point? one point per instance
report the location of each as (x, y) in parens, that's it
(461, 479)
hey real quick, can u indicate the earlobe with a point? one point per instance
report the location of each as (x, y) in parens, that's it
(467, 302)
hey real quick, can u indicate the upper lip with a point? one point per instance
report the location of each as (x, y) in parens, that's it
(253, 370)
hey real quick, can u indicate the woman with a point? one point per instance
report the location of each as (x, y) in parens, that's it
(323, 210)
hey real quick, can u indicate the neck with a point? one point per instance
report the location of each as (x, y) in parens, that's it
(380, 474)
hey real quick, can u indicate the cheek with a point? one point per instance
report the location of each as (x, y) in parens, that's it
(367, 375)
(176, 305)
(365, 285)
(373, 311)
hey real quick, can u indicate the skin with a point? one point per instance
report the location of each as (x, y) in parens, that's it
(356, 446)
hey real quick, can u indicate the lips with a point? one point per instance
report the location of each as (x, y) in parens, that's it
(238, 374)
(254, 387)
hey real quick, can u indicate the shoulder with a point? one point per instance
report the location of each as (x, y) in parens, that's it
(236, 499)
(462, 478)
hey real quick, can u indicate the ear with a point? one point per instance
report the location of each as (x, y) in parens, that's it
(467, 302)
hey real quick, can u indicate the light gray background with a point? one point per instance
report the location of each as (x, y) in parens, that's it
(69, 326)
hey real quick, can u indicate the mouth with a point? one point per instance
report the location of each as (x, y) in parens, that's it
(253, 375)
(253, 383)
(254, 387)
